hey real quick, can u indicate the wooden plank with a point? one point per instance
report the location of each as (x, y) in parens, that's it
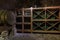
(23, 20)
(18, 22)
(19, 16)
(27, 23)
(27, 16)
(46, 20)
(31, 19)
(50, 7)
(38, 31)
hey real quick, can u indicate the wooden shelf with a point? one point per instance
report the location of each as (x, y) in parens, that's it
(19, 16)
(38, 19)
(44, 15)
(28, 16)
(27, 30)
(18, 22)
(52, 19)
(27, 23)
(45, 19)
(38, 31)
(51, 7)
(19, 29)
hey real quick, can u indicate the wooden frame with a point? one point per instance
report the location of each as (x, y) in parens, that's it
(40, 20)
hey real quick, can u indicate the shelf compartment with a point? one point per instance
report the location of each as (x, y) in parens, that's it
(27, 26)
(38, 14)
(53, 25)
(18, 19)
(27, 13)
(27, 19)
(19, 26)
(53, 13)
(38, 25)
(19, 12)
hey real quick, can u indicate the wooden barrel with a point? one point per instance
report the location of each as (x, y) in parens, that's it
(10, 17)
(6, 17)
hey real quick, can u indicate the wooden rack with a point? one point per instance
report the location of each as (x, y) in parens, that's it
(38, 20)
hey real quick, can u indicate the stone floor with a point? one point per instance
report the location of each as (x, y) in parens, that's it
(19, 36)
(23, 36)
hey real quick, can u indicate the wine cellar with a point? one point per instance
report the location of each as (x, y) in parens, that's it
(29, 19)
(38, 20)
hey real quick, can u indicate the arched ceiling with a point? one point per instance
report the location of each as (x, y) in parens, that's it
(12, 4)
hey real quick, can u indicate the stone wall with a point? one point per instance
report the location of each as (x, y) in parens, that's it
(7, 4)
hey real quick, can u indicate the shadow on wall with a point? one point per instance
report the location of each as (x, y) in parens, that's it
(7, 4)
